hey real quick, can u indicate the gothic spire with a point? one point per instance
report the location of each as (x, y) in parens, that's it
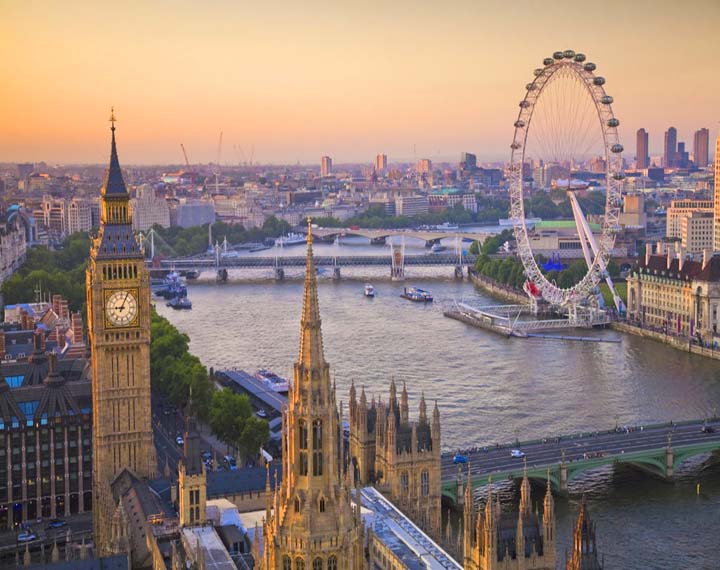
(114, 185)
(311, 346)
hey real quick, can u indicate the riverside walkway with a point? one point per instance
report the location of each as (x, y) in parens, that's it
(658, 449)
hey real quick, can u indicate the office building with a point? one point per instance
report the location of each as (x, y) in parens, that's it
(642, 156)
(681, 208)
(716, 229)
(325, 166)
(149, 210)
(79, 216)
(670, 148)
(701, 148)
(413, 205)
(424, 166)
(468, 162)
(381, 163)
(696, 232)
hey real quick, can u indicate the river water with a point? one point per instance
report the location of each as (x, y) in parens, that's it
(489, 389)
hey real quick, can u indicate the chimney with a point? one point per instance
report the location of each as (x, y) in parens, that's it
(707, 256)
(681, 257)
(669, 257)
(660, 249)
(56, 304)
(648, 253)
(77, 328)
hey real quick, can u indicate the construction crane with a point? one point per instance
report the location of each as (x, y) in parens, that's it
(252, 154)
(187, 163)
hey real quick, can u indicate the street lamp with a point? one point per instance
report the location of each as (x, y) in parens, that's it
(617, 418)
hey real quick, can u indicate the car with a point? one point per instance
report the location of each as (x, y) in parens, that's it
(179, 440)
(458, 458)
(56, 523)
(206, 456)
(26, 536)
(516, 453)
(708, 429)
(261, 413)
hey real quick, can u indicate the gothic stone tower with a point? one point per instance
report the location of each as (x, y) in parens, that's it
(118, 306)
(311, 523)
(192, 484)
(584, 554)
(401, 457)
(496, 541)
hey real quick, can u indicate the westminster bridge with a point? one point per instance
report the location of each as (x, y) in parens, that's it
(657, 449)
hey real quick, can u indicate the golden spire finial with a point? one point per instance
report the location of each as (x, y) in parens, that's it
(112, 118)
(309, 234)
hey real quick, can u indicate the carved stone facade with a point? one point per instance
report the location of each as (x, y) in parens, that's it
(500, 541)
(118, 306)
(310, 522)
(402, 458)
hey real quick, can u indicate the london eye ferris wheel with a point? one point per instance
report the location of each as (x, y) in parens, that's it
(564, 131)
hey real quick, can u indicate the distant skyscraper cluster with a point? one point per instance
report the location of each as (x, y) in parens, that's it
(675, 154)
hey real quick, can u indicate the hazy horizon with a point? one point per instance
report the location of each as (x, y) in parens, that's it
(297, 81)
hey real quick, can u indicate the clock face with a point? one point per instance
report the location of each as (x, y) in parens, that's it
(121, 308)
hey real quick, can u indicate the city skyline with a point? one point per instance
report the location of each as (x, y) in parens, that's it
(387, 86)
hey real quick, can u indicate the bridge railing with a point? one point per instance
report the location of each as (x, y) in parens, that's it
(583, 435)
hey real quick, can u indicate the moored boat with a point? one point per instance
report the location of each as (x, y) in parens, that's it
(417, 295)
(273, 381)
(179, 303)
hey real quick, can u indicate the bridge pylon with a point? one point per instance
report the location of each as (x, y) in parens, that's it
(397, 256)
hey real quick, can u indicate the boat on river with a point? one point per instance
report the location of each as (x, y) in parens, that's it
(369, 290)
(275, 382)
(180, 303)
(290, 239)
(417, 295)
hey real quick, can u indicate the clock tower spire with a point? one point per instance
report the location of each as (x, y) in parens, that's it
(118, 305)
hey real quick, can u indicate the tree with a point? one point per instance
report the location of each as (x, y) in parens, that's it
(232, 421)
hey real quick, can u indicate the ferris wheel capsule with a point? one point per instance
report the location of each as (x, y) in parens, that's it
(538, 72)
(616, 148)
(558, 55)
(531, 87)
(613, 122)
(548, 61)
(589, 67)
(524, 104)
(598, 81)
(579, 57)
(519, 124)
(619, 176)
(606, 100)
(568, 54)
(515, 145)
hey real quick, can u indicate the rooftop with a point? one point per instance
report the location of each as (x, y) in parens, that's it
(206, 540)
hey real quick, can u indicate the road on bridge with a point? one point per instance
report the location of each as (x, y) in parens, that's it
(581, 447)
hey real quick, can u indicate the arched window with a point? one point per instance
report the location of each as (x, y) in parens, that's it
(425, 483)
(297, 505)
(299, 564)
(404, 482)
(303, 444)
(287, 563)
(317, 564)
(332, 563)
(317, 447)
(322, 505)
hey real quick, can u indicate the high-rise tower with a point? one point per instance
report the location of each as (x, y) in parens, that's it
(701, 148)
(311, 523)
(118, 306)
(670, 147)
(716, 199)
(642, 158)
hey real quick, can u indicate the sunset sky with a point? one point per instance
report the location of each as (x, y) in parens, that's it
(298, 79)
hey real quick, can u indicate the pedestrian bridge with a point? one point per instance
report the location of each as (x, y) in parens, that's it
(656, 449)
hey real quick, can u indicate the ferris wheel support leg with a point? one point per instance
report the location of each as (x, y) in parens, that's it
(584, 228)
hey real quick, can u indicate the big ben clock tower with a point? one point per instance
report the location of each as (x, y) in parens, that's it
(118, 306)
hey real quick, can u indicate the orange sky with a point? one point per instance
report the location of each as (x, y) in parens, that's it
(349, 79)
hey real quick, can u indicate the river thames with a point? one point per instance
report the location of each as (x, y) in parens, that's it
(491, 389)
